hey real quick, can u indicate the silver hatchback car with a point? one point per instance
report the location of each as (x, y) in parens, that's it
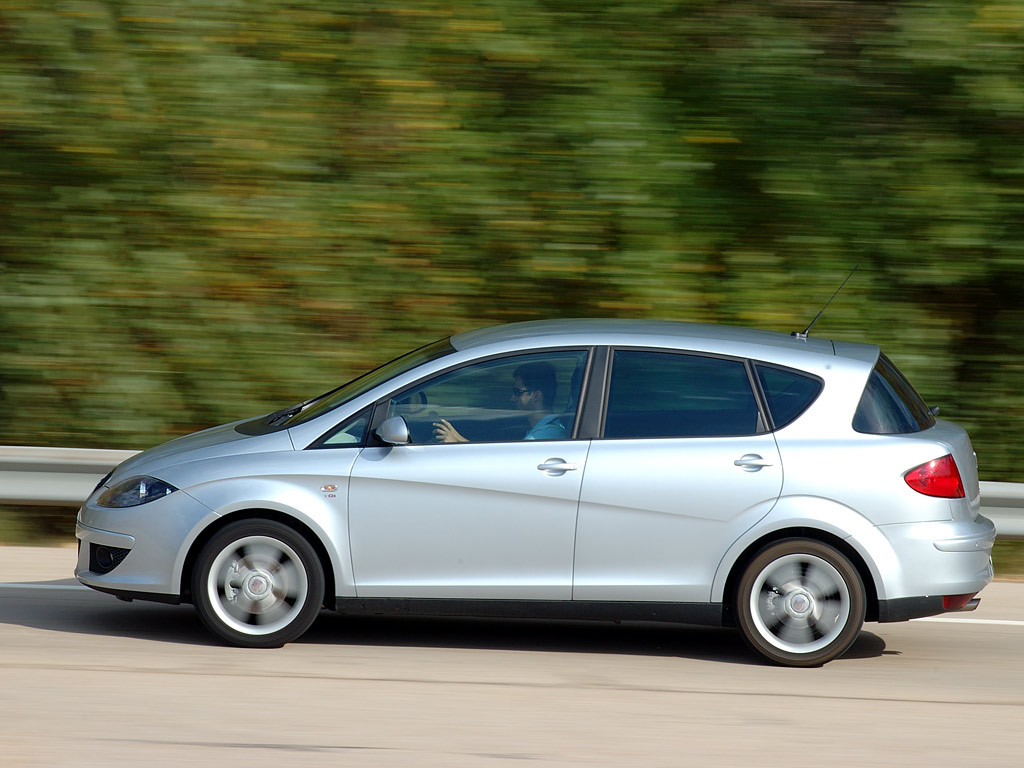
(792, 487)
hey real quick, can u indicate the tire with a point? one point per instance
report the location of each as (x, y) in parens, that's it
(800, 603)
(258, 584)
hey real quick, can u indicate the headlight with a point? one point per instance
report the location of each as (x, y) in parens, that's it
(135, 491)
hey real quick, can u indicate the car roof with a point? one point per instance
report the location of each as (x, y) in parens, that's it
(639, 332)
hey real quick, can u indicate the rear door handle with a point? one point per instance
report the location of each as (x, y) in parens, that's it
(751, 462)
(556, 467)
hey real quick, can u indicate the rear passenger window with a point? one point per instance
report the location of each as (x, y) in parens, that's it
(890, 405)
(662, 394)
(788, 393)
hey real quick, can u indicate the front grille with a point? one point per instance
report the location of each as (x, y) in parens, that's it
(104, 559)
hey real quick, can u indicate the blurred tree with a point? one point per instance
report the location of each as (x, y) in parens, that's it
(212, 209)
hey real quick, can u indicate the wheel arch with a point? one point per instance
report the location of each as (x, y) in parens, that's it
(283, 518)
(740, 564)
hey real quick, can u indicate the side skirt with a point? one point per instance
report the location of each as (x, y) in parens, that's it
(705, 614)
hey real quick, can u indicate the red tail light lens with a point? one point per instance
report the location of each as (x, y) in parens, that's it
(956, 602)
(938, 477)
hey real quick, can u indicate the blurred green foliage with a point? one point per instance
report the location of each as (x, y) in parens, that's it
(213, 209)
(37, 526)
(1008, 559)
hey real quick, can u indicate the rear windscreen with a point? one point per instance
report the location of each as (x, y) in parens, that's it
(889, 405)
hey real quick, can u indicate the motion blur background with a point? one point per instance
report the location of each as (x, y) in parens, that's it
(209, 210)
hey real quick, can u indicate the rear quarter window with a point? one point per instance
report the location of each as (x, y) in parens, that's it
(788, 392)
(890, 405)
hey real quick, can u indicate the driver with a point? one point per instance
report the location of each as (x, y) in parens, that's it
(533, 391)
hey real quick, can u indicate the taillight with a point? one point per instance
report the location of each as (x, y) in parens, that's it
(938, 477)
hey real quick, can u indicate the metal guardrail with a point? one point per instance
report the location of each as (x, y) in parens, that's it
(57, 477)
(66, 477)
(1003, 504)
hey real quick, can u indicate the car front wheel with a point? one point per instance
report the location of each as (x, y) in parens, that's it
(258, 584)
(800, 603)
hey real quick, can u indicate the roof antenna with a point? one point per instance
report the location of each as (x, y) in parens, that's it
(803, 334)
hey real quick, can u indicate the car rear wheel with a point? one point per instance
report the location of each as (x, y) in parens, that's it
(258, 584)
(800, 603)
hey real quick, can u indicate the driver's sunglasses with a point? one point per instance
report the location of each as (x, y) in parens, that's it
(517, 392)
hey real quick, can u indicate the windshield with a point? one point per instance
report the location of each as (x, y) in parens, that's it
(303, 412)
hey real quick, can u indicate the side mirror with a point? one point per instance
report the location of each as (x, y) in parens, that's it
(394, 431)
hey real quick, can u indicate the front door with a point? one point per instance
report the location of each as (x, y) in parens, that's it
(490, 514)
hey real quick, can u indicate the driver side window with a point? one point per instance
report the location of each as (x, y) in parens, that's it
(520, 397)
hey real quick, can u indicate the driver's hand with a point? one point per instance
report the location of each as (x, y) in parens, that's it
(444, 432)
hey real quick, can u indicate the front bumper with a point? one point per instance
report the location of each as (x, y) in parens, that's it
(149, 544)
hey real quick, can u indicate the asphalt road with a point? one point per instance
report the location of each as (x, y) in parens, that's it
(86, 680)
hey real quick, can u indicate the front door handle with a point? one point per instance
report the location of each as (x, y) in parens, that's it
(556, 467)
(751, 462)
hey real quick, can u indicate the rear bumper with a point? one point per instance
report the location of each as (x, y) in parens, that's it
(936, 560)
(906, 608)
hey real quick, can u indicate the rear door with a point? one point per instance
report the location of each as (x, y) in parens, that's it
(683, 465)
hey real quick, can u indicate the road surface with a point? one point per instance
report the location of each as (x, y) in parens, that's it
(86, 680)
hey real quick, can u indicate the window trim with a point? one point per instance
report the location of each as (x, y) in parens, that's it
(593, 398)
(609, 370)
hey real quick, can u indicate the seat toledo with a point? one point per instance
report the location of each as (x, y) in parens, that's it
(789, 486)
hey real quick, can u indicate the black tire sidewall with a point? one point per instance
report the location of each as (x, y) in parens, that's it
(308, 559)
(837, 560)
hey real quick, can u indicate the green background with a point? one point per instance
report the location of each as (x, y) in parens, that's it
(209, 210)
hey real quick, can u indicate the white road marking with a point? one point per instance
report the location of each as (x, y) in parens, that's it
(15, 585)
(997, 622)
